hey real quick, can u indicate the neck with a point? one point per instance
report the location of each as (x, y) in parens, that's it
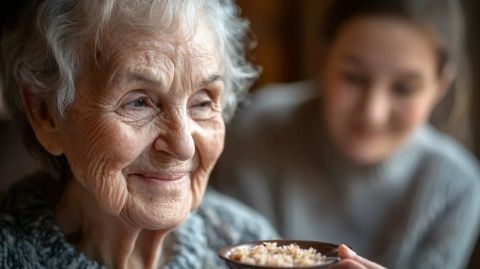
(104, 238)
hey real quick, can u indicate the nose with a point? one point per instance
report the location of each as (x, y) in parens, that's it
(376, 107)
(176, 138)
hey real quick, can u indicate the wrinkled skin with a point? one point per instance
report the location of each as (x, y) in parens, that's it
(145, 142)
(141, 139)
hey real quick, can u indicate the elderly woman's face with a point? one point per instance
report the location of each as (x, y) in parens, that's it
(144, 134)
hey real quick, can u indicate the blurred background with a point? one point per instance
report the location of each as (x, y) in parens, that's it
(285, 32)
(286, 35)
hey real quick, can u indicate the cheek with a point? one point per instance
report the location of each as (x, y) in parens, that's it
(340, 96)
(209, 139)
(97, 150)
(104, 141)
(411, 114)
(342, 99)
(339, 106)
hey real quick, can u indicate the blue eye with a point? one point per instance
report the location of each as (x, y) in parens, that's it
(139, 108)
(138, 103)
(202, 110)
(205, 104)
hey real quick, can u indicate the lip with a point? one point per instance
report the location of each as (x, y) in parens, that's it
(162, 175)
(364, 131)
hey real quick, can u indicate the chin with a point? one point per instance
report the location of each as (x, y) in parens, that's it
(365, 159)
(366, 154)
(167, 221)
(157, 215)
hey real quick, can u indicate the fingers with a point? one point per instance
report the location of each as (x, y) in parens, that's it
(348, 264)
(348, 255)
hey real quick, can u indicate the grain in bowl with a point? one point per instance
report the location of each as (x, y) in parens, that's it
(269, 254)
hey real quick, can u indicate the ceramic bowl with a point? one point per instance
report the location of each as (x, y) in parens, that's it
(327, 249)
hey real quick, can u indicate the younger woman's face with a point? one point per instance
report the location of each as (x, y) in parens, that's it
(381, 82)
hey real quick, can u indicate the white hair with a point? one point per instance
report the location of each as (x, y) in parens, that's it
(43, 50)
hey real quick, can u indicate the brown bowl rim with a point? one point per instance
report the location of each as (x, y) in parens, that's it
(222, 253)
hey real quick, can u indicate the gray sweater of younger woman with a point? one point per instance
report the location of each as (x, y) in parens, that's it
(418, 209)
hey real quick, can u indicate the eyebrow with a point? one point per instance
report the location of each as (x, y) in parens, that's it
(210, 79)
(411, 76)
(132, 77)
(353, 60)
(141, 77)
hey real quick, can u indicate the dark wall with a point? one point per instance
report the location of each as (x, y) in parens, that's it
(472, 8)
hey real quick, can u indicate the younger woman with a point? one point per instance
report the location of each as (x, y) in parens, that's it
(351, 157)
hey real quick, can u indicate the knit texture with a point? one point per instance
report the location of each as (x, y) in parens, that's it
(29, 238)
(420, 208)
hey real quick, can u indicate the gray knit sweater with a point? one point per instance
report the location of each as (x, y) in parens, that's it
(418, 209)
(29, 237)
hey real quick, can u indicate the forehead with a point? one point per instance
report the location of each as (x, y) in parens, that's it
(385, 41)
(179, 58)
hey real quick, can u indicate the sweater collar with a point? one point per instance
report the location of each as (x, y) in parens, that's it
(340, 167)
(27, 201)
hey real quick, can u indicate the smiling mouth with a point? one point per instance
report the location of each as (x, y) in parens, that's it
(162, 176)
(364, 130)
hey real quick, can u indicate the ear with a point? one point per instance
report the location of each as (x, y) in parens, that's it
(446, 79)
(43, 122)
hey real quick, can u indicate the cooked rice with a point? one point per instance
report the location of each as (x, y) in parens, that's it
(269, 254)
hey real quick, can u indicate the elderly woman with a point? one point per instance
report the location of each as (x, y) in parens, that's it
(124, 103)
